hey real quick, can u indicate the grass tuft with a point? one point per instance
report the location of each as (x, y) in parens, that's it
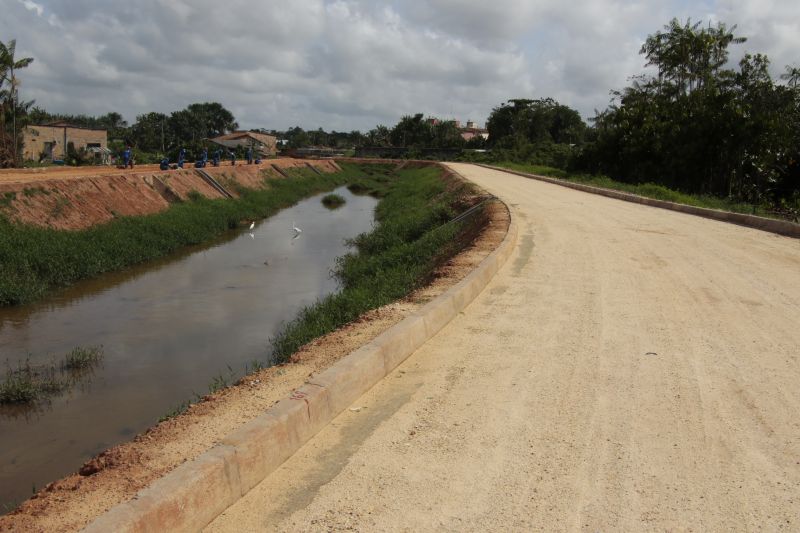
(28, 384)
(81, 358)
(333, 201)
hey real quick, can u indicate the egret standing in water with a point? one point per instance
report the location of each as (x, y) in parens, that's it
(252, 225)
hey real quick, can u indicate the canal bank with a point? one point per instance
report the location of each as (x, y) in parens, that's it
(128, 467)
(35, 260)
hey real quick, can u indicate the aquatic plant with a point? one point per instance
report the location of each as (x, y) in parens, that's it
(333, 201)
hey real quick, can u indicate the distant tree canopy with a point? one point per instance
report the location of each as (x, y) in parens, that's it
(297, 137)
(699, 125)
(415, 131)
(154, 133)
(522, 121)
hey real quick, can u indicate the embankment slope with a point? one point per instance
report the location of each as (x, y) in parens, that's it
(78, 198)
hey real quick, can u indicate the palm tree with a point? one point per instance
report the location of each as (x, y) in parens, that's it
(8, 64)
(792, 76)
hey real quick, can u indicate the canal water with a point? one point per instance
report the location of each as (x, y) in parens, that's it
(167, 330)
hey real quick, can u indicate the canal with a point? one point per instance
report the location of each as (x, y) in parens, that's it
(167, 329)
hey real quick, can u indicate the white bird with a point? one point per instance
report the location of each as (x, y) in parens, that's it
(296, 229)
(252, 225)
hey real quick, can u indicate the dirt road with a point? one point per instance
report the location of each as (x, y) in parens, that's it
(629, 369)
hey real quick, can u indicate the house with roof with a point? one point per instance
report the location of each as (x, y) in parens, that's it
(48, 142)
(263, 144)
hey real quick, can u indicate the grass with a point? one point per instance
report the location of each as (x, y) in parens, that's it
(7, 198)
(412, 237)
(81, 358)
(177, 410)
(29, 383)
(35, 261)
(333, 201)
(648, 190)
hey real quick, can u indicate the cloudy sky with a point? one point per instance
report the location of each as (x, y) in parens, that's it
(352, 64)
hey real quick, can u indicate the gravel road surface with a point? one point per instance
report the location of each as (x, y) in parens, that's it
(629, 369)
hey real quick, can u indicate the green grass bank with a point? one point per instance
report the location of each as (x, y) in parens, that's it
(413, 235)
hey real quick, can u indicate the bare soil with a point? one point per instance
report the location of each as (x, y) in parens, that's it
(74, 198)
(117, 474)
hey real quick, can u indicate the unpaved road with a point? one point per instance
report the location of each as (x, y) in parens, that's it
(629, 369)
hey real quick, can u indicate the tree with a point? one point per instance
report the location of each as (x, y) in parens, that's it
(8, 65)
(379, 136)
(192, 126)
(699, 125)
(151, 133)
(411, 131)
(792, 76)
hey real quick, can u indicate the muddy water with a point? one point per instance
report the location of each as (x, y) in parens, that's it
(168, 329)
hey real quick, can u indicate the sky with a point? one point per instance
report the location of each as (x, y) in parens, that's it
(353, 64)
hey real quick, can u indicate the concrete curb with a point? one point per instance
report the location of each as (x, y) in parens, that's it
(781, 227)
(192, 495)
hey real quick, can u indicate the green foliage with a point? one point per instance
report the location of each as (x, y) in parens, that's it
(700, 127)
(332, 201)
(648, 190)
(78, 157)
(28, 384)
(534, 122)
(12, 111)
(419, 132)
(411, 238)
(297, 137)
(81, 358)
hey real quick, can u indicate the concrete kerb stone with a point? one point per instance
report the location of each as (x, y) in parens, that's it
(261, 446)
(192, 495)
(350, 377)
(781, 227)
(185, 500)
(403, 339)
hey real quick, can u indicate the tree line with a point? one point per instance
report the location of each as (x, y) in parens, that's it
(696, 124)
(693, 122)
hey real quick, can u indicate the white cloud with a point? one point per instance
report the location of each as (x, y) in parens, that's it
(32, 6)
(347, 64)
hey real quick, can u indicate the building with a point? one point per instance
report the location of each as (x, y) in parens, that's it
(48, 142)
(472, 130)
(263, 144)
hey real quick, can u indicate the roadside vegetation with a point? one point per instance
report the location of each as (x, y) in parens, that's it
(699, 130)
(648, 190)
(34, 261)
(413, 236)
